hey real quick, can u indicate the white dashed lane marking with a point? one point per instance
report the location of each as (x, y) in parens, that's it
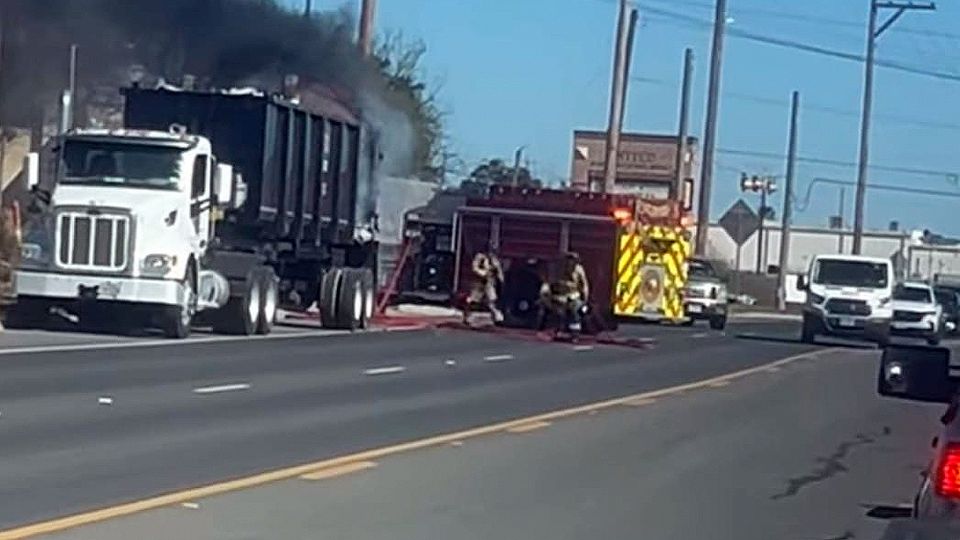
(384, 370)
(221, 388)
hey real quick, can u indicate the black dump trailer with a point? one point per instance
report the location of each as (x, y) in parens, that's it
(310, 210)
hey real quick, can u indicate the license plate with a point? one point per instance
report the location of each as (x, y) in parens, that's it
(694, 308)
(847, 322)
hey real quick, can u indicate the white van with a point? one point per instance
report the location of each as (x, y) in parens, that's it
(848, 295)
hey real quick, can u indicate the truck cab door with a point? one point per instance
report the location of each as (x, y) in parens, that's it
(201, 201)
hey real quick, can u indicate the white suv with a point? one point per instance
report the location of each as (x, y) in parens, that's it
(848, 295)
(916, 312)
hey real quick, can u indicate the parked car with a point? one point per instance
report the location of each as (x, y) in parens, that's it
(916, 312)
(705, 296)
(949, 300)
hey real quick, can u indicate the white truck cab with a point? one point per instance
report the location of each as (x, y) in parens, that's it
(848, 295)
(129, 224)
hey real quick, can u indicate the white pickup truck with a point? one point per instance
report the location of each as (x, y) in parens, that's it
(848, 295)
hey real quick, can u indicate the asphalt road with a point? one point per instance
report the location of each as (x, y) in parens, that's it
(84, 427)
(802, 452)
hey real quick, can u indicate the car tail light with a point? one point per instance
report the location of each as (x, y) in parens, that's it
(948, 472)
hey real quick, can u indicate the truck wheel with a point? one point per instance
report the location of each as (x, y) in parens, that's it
(718, 322)
(369, 289)
(327, 300)
(269, 298)
(176, 320)
(808, 332)
(350, 301)
(242, 312)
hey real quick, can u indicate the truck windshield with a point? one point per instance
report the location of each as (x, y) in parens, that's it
(120, 164)
(851, 273)
(912, 294)
(700, 269)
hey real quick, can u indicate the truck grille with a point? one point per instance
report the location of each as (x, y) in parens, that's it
(907, 316)
(841, 306)
(92, 242)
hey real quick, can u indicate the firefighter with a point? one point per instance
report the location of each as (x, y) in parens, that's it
(567, 296)
(488, 277)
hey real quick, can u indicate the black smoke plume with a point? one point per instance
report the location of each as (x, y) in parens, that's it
(222, 43)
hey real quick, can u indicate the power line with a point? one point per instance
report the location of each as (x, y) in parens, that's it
(814, 19)
(827, 109)
(807, 47)
(949, 176)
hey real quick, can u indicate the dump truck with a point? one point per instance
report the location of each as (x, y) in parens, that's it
(634, 250)
(213, 207)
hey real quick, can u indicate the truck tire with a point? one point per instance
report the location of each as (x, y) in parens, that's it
(242, 312)
(269, 298)
(808, 332)
(718, 322)
(328, 299)
(175, 321)
(350, 307)
(369, 295)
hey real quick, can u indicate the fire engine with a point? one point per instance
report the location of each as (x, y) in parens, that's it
(634, 250)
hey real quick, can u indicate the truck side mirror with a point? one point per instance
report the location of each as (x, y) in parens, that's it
(31, 168)
(223, 184)
(802, 284)
(916, 373)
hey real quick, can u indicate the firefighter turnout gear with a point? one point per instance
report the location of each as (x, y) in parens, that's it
(566, 297)
(488, 276)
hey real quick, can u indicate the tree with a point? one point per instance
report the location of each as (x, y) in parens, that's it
(497, 172)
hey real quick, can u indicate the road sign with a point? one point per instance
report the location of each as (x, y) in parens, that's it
(740, 222)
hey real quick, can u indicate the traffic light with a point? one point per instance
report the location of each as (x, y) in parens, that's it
(757, 184)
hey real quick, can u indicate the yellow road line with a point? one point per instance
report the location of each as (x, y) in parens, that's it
(524, 428)
(125, 509)
(332, 472)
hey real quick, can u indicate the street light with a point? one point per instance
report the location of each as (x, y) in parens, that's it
(764, 185)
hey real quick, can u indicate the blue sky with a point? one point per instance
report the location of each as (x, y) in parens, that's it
(529, 72)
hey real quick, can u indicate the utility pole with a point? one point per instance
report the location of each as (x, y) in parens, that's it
(307, 9)
(787, 204)
(684, 118)
(516, 166)
(616, 100)
(873, 33)
(367, 10)
(631, 34)
(841, 210)
(69, 99)
(710, 127)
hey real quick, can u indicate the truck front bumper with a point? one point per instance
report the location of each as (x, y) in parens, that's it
(703, 309)
(913, 329)
(873, 328)
(66, 288)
